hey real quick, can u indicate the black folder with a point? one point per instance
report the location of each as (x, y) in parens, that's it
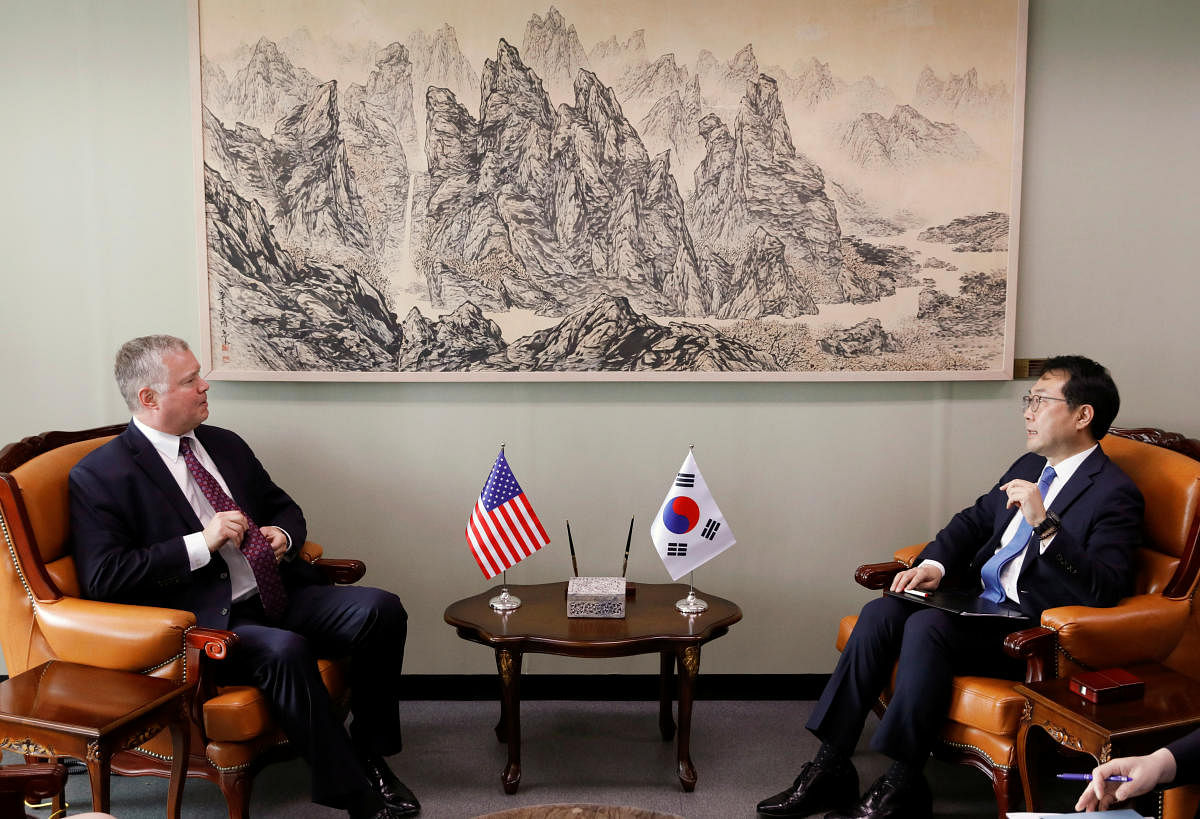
(967, 604)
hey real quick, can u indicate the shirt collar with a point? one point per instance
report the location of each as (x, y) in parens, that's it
(1067, 466)
(166, 443)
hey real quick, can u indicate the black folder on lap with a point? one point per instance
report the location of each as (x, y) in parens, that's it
(967, 604)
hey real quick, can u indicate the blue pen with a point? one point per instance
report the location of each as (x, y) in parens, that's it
(1088, 777)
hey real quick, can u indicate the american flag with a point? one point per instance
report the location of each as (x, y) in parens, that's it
(503, 530)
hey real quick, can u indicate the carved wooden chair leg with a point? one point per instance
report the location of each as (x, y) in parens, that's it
(235, 787)
(1006, 784)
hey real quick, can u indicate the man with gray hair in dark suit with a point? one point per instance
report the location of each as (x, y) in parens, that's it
(179, 514)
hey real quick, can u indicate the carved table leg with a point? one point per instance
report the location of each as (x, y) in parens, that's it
(99, 757)
(689, 666)
(508, 663)
(666, 696)
(1033, 747)
(501, 728)
(180, 738)
(1023, 761)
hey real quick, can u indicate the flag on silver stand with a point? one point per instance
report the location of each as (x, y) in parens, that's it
(689, 529)
(503, 529)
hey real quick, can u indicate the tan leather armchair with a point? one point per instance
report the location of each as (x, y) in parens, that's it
(43, 616)
(1156, 624)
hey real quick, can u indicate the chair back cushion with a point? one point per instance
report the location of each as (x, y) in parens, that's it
(44, 488)
(1170, 484)
(35, 551)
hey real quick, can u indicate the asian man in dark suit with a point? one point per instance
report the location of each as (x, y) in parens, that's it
(1060, 527)
(176, 513)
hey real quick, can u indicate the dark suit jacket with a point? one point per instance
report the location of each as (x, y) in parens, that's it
(129, 517)
(1090, 561)
(1186, 751)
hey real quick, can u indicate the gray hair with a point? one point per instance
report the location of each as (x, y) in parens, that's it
(140, 364)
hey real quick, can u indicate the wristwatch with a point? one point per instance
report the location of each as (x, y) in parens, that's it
(1047, 527)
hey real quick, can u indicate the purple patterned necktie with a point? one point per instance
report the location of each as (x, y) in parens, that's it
(255, 546)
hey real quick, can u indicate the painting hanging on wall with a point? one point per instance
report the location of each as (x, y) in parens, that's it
(685, 189)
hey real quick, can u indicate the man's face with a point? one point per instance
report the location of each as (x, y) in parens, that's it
(183, 406)
(1056, 430)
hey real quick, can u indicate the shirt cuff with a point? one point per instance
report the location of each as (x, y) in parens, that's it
(289, 554)
(935, 564)
(198, 553)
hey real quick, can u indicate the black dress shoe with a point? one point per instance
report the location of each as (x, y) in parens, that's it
(395, 793)
(887, 800)
(818, 788)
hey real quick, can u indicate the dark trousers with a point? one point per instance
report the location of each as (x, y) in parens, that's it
(930, 647)
(367, 625)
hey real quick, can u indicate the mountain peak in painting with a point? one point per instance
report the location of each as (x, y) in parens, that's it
(268, 86)
(961, 95)
(556, 206)
(438, 60)
(552, 49)
(754, 178)
(283, 313)
(609, 335)
(610, 59)
(906, 140)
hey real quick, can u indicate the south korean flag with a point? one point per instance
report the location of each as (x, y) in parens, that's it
(689, 530)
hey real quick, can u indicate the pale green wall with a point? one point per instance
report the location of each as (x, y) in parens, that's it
(96, 217)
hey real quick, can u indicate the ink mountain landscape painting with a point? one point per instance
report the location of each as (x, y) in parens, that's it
(759, 190)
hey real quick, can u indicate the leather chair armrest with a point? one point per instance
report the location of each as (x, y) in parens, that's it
(908, 555)
(205, 644)
(33, 782)
(1139, 629)
(211, 642)
(878, 575)
(1036, 647)
(112, 635)
(342, 570)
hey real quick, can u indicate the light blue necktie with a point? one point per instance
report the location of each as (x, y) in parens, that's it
(992, 590)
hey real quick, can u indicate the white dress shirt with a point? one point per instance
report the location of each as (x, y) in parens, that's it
(1012, 569)
(241, 576)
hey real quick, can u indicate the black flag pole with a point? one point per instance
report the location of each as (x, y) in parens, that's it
(628, 540)
(571, 543)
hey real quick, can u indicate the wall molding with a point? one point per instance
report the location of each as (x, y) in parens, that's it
(613, 686)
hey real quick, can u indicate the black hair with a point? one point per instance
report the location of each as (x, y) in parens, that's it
(1088, 383)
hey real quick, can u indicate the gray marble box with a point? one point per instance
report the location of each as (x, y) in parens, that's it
(596, 597)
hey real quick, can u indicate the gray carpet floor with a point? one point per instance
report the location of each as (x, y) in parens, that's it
(573, 752)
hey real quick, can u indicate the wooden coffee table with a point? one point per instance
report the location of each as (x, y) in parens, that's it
(1169, 709)
(541, 626)
(62, 709)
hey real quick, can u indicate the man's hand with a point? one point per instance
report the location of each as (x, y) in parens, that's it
(225, 526)
(1027, 498)
(277, 539)
(923, 576)
(1145, 771)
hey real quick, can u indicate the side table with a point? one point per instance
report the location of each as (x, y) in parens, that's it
(651, 625)
(1169, 709)
(64, 709)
